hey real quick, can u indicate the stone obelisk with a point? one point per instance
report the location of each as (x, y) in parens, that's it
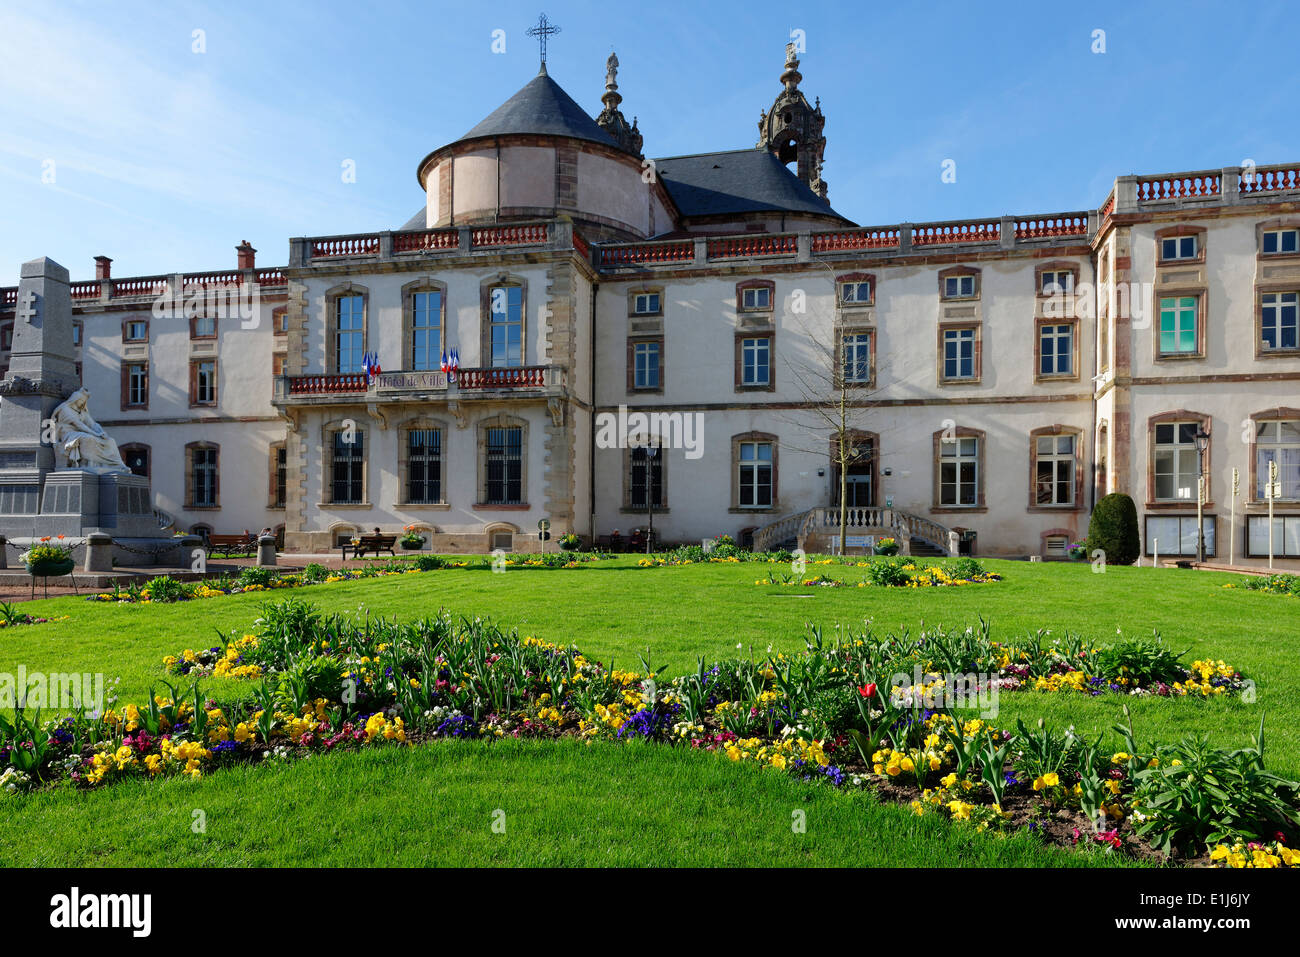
(42, 372)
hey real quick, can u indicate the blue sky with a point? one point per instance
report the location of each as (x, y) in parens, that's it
(164, 158)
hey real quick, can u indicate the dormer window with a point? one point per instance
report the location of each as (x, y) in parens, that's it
(1280, 241)
(959, 287)
(1175, 248)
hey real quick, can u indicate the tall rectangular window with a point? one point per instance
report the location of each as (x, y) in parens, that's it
(755, 474)
(204, 466)
(137, 384)
(349, 333)
(205, 382)
(281, 476)
(1178, 325)
(959, 471)
(959, 353)
(1175, 461)
(1278, 442)
(1056, 349)
(755, 360)
(426, 330)
(1054, 470)
(348, 478)
(645, 365)
(424, 466)
(507, 326)
(646, 479)
(505, 466)
(856, 350)
(1277, 320)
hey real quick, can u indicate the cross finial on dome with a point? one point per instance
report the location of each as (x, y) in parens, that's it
(543, 30)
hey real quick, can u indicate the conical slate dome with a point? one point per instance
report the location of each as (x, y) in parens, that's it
(541, 108)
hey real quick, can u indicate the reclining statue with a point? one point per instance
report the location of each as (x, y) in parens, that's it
(82, 440)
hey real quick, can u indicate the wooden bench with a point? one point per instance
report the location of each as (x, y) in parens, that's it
(370, 543)
(245, 544)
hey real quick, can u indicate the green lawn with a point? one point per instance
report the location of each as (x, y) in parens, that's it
(667, 805)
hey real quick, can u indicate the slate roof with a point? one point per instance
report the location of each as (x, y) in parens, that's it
(542, 108)
(736, 181)
(417, 221)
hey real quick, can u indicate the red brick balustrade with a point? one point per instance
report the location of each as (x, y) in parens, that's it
(1270, 180)
(855, 239)
(762, 245)
(1177, 186)
(1107, 207)
(940, 234)
(580, 246)
(675, 252)
(85, 290)
(146, 286)
(426, 239)
(1073, 224)
(508, 378)
(206, 279)
(269, 277)
(527, 235)
(340, 247)
(327, 384)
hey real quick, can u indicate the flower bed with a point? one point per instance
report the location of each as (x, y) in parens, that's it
(897, 573)
(1280, 584)
(828, 714)
(11, 617)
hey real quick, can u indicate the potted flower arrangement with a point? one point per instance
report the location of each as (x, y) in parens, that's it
(571, 542)
(411, 539)
(885, 546)
(49, 559)
(1078, 551)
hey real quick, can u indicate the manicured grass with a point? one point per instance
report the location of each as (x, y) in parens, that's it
(432, 804)
(564, 804)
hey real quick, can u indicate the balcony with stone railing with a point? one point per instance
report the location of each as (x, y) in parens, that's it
(335, 251)
(134, 290)
(526, 382)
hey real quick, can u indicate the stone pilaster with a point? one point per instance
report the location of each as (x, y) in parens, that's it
(559, 465)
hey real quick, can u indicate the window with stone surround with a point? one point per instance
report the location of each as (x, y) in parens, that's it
(959, 353)
(504, 321)
(1279, 330)
(645, 363)
(424, 308)
(856, 290)
(755, 295)
(645, 480)
(203, 327)
(347, 308)
(1179, 245)
(345, 465)
(135, 385)
(1173, 457)
(1180, 329)
(958, 283)
(1056, 467)
(1056, 350)
(754, 471)
(421, 465)
(857, 357)
(203, 382)
(646, 301)
(202, 475)
(754, 362)
(135, 330)
(958, 469)
(1280, 242)
(1277, 439)
(502, 448)
(279, 475)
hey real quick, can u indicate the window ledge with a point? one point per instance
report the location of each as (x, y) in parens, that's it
(958, 509)
(1178, 356)
(633, 510)
(1183, 506)
(432, 506)
(1055, 508)
(488, 506)
(350, 505)
(202, 508)
(754, 509)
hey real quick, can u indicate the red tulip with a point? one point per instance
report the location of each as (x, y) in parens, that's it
(868, 690)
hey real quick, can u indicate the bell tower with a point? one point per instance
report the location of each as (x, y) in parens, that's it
(792, 129)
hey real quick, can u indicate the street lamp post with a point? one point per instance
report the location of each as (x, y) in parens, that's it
(650, 453)
(1202, 443)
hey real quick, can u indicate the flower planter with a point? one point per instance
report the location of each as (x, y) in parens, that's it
(50, 568)
(884, 549)
(412, 546)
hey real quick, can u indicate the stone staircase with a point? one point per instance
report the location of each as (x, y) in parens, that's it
(816, 531)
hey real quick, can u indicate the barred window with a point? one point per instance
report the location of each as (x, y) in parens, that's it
(424, 466)
(505, 466)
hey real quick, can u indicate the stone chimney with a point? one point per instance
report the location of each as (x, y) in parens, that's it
(103, 267)
(246, 254)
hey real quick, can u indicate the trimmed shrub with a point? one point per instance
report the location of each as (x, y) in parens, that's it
(1114, 529)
